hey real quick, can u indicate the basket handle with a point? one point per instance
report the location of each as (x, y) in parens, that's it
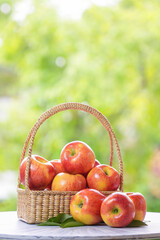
(74, 106)
(44, 119)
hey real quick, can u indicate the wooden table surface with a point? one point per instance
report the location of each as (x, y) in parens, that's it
(12, 228)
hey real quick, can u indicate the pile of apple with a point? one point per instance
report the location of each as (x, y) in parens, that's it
(90, 206)
(78, 170)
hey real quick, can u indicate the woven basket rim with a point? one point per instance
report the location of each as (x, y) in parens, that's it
(51, 192)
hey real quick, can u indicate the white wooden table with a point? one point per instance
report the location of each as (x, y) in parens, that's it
(12, 228)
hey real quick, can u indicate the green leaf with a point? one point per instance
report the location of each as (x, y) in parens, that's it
(63, 220)
(56, 221)
(71, 223)
(61, 217)
(21, 186)
(49, 224)
(136, 223)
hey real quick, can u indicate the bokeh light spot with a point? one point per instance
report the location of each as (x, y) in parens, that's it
(60, 61)
(5, 8)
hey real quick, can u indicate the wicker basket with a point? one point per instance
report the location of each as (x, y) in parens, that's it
(38, 206)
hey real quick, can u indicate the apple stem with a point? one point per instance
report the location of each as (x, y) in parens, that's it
(73, 152)
(115, 210)
(80, 205)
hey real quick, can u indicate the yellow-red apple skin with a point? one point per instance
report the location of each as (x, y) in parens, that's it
(58, 165)
(81, 161)
(41, 172)
(125, 206)
(96, 164)
(68, 182)
(89, 213)
(98, 179)
(140, 205)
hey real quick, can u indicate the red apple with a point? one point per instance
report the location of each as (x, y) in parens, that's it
(85, 206)
(96, 163)
(58, 166)
(41, 172)
(140, 205)
(68, 182)
(117, 210)
(103, 178)
(48, 188)
(77, 157)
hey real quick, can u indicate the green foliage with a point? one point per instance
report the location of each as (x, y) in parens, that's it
(63, 220)
(109, 59)
(137, 223)
(8, 205)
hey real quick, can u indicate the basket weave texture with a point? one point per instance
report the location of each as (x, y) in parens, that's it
(37, 206)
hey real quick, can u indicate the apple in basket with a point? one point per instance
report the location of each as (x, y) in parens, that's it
(85, 206)
(41, 172)
(77, 157)
(96, 163)
(117, 210)
(58, 165)
(140, 205)
(103, 178)
(68, 182)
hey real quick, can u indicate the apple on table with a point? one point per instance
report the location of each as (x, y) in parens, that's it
(140, 205)
(117, 210)
(85, 206)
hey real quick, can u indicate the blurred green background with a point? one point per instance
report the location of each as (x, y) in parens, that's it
(105, 55)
